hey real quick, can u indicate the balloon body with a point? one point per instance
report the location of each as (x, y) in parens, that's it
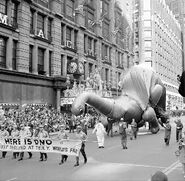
(143, 98)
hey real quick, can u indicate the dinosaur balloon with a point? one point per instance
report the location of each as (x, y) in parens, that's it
(143, 98)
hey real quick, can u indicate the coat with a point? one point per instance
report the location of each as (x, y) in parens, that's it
(167, 132)
(99, 129)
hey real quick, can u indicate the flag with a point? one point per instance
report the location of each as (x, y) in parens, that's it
(92, 23)
(99, 22)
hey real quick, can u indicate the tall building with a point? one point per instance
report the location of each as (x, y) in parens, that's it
(178, 9)
(158, 44)
(43, 42)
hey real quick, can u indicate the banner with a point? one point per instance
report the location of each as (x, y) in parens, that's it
(66, 147)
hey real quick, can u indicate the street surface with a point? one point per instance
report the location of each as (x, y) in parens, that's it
(144, 157)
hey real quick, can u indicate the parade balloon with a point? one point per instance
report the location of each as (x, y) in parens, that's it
(182, 85)
(143, 98)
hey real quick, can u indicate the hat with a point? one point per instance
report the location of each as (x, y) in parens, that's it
(21, 125)
(79, 127)
(122, 119)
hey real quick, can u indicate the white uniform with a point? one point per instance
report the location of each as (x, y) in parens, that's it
(100, 133)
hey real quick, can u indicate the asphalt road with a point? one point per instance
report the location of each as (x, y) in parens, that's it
(143, 158)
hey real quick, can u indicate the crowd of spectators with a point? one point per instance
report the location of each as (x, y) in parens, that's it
(34, 115)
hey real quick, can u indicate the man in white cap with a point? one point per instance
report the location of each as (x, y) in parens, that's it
(3, 134)
(80, 135)
(43, 134)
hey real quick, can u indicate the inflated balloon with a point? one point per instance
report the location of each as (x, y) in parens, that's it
(143, 98)
(182, 85)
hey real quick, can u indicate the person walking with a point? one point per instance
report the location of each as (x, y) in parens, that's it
(62, 135)
(24, 133)
(15, 134)
(100, 133)
(123, 133)
(3, 134)
(179, 127)
(181, 151)
(134, 129)
(42, 135)
(167, 133)
(80, 135)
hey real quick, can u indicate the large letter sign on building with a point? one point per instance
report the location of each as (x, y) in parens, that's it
(3, 19)
(41, 34)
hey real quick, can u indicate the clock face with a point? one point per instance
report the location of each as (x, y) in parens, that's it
(81, 68)
(72, 67)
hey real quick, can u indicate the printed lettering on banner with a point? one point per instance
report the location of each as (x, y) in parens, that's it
(68, 147)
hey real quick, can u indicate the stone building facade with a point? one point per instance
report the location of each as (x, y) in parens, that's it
(42, 42)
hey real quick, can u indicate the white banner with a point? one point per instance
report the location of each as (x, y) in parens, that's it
(66, 147)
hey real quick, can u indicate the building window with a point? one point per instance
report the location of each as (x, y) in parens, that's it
(49, 29)
(85, 46)
(89, 43)
(62, 64)
(75, 39)
(2, 52)
(62, 7)
(40, 23)
(147, 34)
(70, 9)
(90, 68)
(95, 44)
(146, 5)
(68, 33)
(147, 23)
(148, 54)
(41, 61)
(106, 30)
(107, 75)
(30, 58)
(3, 7)
(50, 62)
(14, 14)
(14, 55)
(148, 43)
(62, 34)
(32, 22)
